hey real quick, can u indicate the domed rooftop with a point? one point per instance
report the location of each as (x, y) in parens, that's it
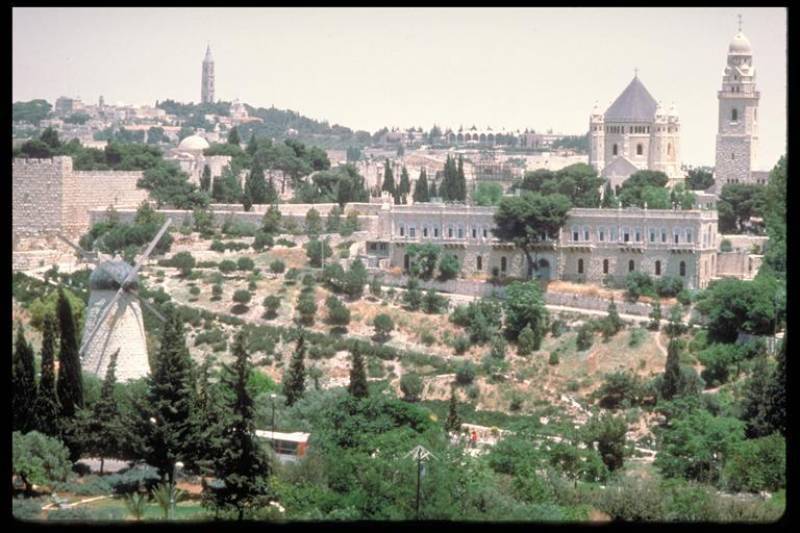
(740, 45)
(108, 275)
(193, 143)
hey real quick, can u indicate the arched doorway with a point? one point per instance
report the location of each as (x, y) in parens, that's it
(540, 269)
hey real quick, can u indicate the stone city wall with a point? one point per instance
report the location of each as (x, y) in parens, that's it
(738, 264)
(97, 189)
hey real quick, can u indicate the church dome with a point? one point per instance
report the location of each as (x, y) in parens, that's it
(193, 143)
(740, 45)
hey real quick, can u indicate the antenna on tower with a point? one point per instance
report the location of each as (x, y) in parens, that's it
(740, 22)
(635, 72)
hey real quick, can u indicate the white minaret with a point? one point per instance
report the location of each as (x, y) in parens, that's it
(737, 134)
(207, 84)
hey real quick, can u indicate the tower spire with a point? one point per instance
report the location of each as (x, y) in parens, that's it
(635, 72)
(740, 22)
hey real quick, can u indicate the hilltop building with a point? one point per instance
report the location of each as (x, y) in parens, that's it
(635, 133)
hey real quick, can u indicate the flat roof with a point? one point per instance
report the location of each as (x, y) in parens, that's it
(297, 436)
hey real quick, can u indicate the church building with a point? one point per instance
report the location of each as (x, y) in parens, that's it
(635, 133)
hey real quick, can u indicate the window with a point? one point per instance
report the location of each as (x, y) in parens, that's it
(658, 268)
(676, 236)
(460, 232)
(412, 232)
(614, 149)
(485, 233)
(575, 234)
(682, 268)
(585, 233)
(405, 262)
(734, 115)
(601, 234)
(503, 264)
(663, 235)
(479, 263)
(373, 246)
(605, 266)
(580, 266)
(688, 235)
(425, 231)
(436, 232)
(638, 235)
(626, 236)
(402, 230)
(638, 149)
(652, 235)
(474, 233)
(630, 266)
(450, 232)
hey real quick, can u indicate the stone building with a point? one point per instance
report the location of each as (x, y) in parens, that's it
(634, 133)
(207, 83)
(737, 132)
(594, 244)
(49, 196)
(191, 159)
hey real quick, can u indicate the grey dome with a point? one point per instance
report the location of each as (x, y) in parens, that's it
(635, 104)
(108, 276)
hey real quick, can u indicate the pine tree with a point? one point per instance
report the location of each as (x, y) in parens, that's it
(655, 316)
(256, 184)
(102, 431)
(453, 422)
(247, 200)
(421, 188)
(241, 465)
(233, 136)
(164, 425)
(294, 382)
(388, 180)
(404, 188)
(432, 193)
(70, 380)
(526, 341)
(776, 392)
(446, 185)
(358, 376)
(609, 198)
(47, 407)
(614, 321)
(23, 385)
(460, 181)
(205, 179)
(208, 443)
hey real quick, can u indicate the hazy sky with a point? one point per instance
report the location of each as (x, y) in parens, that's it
(369, 68)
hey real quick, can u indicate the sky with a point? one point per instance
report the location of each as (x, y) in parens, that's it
(365, 69)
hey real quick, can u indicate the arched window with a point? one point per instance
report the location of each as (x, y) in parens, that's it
(575, 235)
(663, 235)
(639, 149)
(688, 235)
(658, 268)
(614, 150)
(402, 230)
(424, 231)
(605, 266)
(601, 234)
(503, 264)
(479, 263)
(585, 233)
(683, 268)
(580, 266)
(630, 266)
(734, 115)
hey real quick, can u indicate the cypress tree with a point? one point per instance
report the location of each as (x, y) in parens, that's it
(242, 464)
(614, 321)
(446, 185)
(47, 405)
(70, 380)
(252, 145)
(672, 371)
(388, 180)
(453, 422)
(776, 392)
(256, 184)
(294, 382)
(460, 181)
(247, 200)
(404, 188)
(205, 179)
(23, 385)
(102, 431)
(208, 443)
(233, 136)
(432, 193)
(421, 188)
(609, 198)
(164, 426)
(358, 376)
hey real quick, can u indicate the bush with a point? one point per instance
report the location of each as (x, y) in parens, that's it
(427, 338)
(383, 325)
(184, 262)
(637, 336)
(498, 349)
(227, 266)
(277, 266)
(638, 284)
(553, 360)
(242, 296)
(217, 246)
(620, 389)
(411, 385)
(38, 459)
(433, 303)
(585, 337)
(245, 263)
(473, 392)
(725, 245)
(449, 267)
(668, 286)
(194, 291)
(338, 313)
(26, 508)
(755, 465)
(557, 327)
(465, 373)
(461, 344)
(684, 297)
(286, 243)
(133, 480)
(263, 240)
(526, 341)
(216, 291)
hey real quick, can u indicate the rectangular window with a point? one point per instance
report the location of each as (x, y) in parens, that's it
(626, 236)
(479, 263)
(485, 233)
(677, 237)
(474, 233)
(436, 232)
(425, 232)
(383, 246)
(663, 236)
(638, 236)
(460, 233)
(450, 232)
(575, 236)
(652, 235)
(402, 231)
(412, 232)
(373, 246)
(585, 234)
(601, 235)
(688, 235)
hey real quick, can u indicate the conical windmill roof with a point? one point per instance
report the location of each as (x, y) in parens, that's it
(635, 104)
(108, 275)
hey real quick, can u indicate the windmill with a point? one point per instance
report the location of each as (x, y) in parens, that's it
(114, 316)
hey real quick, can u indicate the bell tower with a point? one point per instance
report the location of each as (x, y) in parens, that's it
(737, 132)
(207, 84)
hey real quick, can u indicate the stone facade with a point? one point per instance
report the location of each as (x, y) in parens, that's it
(594, 244)
(737, 131)
(49, 196)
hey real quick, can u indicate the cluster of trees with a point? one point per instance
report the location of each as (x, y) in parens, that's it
(453, 184)
(113, 237)
(424, 258)
(400, 190)
(578, 182)
(737, 203)
(648, 187)
(342, 185)
(33, 111)
(350, 282)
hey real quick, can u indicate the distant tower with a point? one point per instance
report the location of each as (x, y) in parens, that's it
(597, 139)
(207, 86)
(737, 134)
(101, 102)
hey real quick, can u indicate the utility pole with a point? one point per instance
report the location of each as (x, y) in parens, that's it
(420, 454)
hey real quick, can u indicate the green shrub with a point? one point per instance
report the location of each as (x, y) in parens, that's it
(38, 459)
(668, 286)
(194, 291)
(725, 245)
(553, 360)
(461, 344)
(473, 391)
(465, 373)
(263, 240)
(216, 292)
(245, 263)
(557, 327)
(217, 246)
(427, 338)
(383, 325)
(756, 465)
(585, 337)
(285, 242)
(242, 296)
(26, 508)
(277, 266)
(227, 266)
(637, 336)
(638, 284)
(684, 297)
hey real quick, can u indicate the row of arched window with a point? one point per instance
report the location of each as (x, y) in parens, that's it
(449, 231)
(635, 234)
(639, 149)
(478, 263)
(632, 267)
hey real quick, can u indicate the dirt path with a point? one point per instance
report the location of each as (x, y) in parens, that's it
(657, 338)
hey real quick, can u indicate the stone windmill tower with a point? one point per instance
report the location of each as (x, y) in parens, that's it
(114, 317)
